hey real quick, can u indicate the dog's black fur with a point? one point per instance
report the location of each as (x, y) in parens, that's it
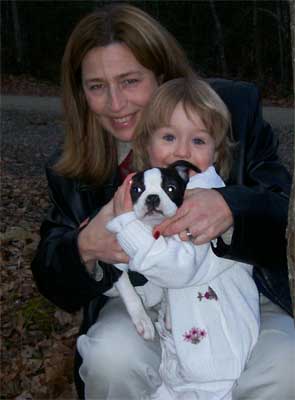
(174, 181)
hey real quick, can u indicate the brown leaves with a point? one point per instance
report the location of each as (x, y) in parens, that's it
(38, 341)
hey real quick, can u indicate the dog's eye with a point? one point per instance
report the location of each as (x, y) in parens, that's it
(171, 188)
(136, 189)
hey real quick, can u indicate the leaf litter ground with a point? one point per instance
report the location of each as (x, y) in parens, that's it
(38, 340)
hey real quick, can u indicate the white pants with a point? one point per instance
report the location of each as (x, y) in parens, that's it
(119, 365)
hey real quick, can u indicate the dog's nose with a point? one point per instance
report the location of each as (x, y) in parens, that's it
(152, 201)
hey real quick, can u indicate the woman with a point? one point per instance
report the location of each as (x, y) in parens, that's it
(114, 60)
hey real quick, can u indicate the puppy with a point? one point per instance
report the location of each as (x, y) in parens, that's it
(156, 194)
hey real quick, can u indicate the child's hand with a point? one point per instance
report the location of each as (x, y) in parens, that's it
(122, 200)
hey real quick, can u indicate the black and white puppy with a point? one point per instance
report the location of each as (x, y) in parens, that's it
(156, 194)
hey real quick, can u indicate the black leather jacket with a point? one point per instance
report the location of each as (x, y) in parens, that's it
(257, 194)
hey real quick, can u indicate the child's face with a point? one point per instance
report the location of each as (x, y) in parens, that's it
(183, 139)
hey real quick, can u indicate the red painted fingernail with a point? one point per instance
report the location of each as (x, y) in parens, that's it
(156, 235)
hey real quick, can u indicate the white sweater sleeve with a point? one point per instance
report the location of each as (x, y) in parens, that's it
(166, 262)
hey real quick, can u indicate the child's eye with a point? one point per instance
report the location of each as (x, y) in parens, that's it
(198, 141)
(168, 137)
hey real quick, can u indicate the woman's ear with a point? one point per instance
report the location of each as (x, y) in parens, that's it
(216, 154)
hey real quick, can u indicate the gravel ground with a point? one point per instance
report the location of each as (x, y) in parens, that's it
(286, 146)
(28, 139)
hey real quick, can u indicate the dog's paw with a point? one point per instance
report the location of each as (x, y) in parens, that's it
(145, 327)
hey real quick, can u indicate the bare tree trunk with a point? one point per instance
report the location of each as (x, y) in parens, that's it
(220, 39)
(291, 216)
(280, 42)
(257, 41)
(192, 24)
(17, 33)
(156, 9)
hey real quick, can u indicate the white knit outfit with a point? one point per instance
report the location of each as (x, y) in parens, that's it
(214, 307)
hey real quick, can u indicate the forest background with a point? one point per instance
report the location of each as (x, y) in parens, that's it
(247, 40)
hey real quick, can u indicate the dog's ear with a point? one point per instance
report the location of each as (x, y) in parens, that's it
(183, 167)
(183, 172)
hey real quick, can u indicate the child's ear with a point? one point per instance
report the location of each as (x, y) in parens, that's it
(160, 79)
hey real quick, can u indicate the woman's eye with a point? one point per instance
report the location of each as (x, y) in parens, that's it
(97, 86)
(168, 137)
(198, 141)
(130, 82)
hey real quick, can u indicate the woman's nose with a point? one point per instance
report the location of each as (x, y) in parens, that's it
(116, 99)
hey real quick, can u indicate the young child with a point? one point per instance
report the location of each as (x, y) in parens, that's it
(213, 321)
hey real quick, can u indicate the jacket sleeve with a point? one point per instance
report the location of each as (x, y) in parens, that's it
(258, 195)
(58, 271)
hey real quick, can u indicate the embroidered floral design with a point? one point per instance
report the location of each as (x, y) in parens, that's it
(195, 335)
(209, 295)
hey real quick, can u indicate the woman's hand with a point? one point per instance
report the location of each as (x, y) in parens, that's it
(204, 213)
(122, 198)
(95, 242)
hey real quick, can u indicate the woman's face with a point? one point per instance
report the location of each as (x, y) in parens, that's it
(117, 88)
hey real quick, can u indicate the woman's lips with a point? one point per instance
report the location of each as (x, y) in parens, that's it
(123, 122)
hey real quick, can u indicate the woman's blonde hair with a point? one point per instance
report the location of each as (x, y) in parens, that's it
(196, 96)
(89, 151)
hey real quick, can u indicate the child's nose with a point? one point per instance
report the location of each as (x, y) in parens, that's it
(183, 150)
